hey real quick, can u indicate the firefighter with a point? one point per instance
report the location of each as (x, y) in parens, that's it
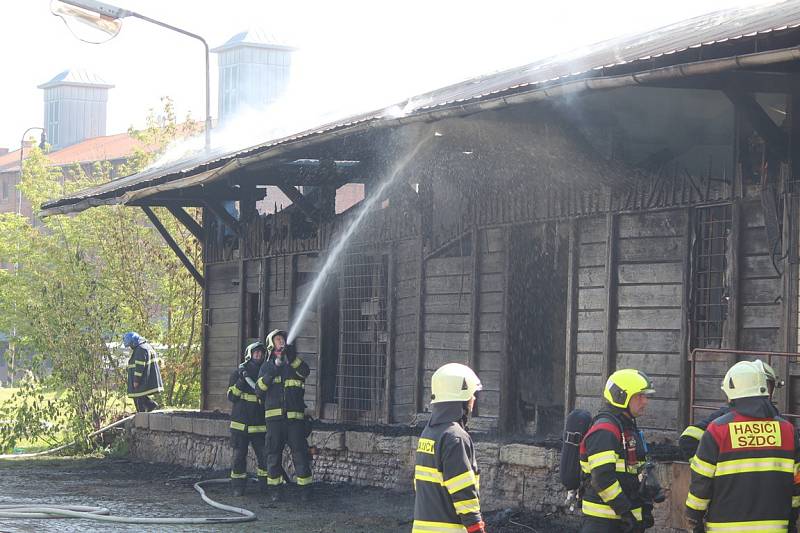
(690, 438)
(612, 454)
(281, 382)
(247, 419)
(446, 476)
(144, 375)
(745, 472)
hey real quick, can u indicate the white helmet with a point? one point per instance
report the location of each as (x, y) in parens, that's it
(454, 382)
(745, 379)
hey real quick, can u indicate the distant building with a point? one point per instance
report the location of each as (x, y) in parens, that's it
(254, 71)
(74, 107)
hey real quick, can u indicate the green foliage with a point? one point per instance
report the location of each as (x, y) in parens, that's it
(82, 280)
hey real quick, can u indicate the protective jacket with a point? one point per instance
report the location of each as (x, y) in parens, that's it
(143, 367)
(283, 386)
(446, 475)
(247, 414)
(612, 455)
(745, 471)
(690, 438)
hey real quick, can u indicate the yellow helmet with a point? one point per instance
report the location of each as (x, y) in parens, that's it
(770, 374)
(745, 379)
(624, 384)
(454, 382)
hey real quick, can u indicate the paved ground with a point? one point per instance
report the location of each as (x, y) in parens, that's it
(141, 489)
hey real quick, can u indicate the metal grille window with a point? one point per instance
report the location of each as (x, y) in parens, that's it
(709, 276)
(361, 372)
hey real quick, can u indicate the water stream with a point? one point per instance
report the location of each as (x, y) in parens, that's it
(341, 243)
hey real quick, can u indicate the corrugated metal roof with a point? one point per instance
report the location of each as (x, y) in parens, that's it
(638, 51)
(80, 77)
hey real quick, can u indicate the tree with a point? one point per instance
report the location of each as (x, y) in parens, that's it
(82, 280)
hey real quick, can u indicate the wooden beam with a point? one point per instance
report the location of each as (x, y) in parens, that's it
(292, 290)
(608, 362)
(173, 245)
(188, 221)
(263, 288)
(684, 415)
(731, 339)
(747, 81)
(242, 310)
(301, 201)
(391, 305)
(419, 374)
(776, 139)
(572, 319)
(205, 318)
(475, 304)
(788, 307)
(506, 420)
(226, 218)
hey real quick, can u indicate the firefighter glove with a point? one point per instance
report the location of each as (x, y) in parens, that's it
(647, 517)
(628, 523)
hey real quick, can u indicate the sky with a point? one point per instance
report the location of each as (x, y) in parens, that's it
(352, 55)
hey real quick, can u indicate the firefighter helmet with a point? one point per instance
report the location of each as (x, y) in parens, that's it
(248, 352)
(770, 374)
(454, 382)
(624, 384)
(271, 336)
(745, 379)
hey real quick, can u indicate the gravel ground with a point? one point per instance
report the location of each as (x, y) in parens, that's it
(132, 488)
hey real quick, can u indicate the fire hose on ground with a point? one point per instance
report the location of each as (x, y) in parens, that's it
(103, 514)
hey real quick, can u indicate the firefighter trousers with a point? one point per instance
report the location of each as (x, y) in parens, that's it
(601, 525)
(279, 433)
(144, 404)
(241, 442)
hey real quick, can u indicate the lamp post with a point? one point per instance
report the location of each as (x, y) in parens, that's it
(42, 145)
(103, 17)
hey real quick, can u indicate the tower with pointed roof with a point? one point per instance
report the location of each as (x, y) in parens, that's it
(254, 71)
(75, 104)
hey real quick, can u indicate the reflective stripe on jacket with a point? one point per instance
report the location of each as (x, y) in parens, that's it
(247, 414)
(446, 478)
(613, 460)
(745, 473)
(690, 438)
(143, 368)
(282, 388)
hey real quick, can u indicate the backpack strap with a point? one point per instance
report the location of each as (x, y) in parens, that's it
(613, 425)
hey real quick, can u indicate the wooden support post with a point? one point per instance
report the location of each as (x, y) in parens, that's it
(292, 290)
(226, 218)
(242, 309)
(263, 288)
(391, 290)
(572, 319)
(174, 246)
(731, 339)
(320, 370)
(188, 221)
(788, 308)
(419, 373)
(475, 304)
(506, 419)
(205, 318)
(608, 362)
(684, 415)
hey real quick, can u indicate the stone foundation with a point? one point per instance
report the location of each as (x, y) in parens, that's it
(512, 475)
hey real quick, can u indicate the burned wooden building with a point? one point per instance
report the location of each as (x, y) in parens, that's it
(546, 225)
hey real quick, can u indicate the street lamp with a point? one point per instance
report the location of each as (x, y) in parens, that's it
(106, 18)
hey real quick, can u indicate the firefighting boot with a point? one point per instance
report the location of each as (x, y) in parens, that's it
(238, 486)
(278, 493)
(262, 484)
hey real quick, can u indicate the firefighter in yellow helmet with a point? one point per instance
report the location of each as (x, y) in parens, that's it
(613, 453)
(690, 438)
(745, 471)
(446, 477)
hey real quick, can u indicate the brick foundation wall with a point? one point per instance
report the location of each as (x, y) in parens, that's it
(512, 475)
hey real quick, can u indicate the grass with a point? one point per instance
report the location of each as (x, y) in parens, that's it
(6, 394)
